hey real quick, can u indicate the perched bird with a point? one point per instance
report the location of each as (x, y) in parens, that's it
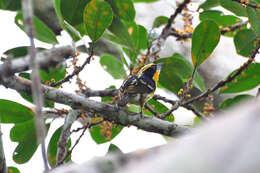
(139, 88)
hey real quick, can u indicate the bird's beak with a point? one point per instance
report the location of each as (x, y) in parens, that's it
(159, 66)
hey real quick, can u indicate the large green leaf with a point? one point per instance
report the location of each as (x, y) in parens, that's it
(234, 7)
(19, 51)
(42, 32)
(248, 79)
(12, 169)
(177, 70)
(245, 42)
(233, 101)
(12, 112)
(204, 40)
(113, 66)
(123, 9)
(221, 19)
(12, 5)
(209, 4)
(254, 19)
(98, 16)
(53, 147)
(75, 35)
(159, 21)
(27, 141)
(104, 132)
(72, 10)
(121, 32)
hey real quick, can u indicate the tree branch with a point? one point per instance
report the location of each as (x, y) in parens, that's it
(27, 8)
(3, 167)
(209, 149)
(227, 80)
(245, 2)
(108, 112)
(77, 71)
(45, 59)
(65, 134)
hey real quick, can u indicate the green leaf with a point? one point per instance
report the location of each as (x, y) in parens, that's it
(12, 5)
(245, 42)
(123, 9)
(233, 101)
(72, 10)
(143, 37)
(196, 121)
(248, 79)
(234, 7)
(27, 141)
(98, 16)
(221, 19)
(145, 1)
(12, 112)
(159, 108)
(209, 4)
(12, 169)
(121, 32)
(53, 147)
(113, 66)
(159, 21)
(177, 70)
(75, 35)
(204, 40)
(47, 103)
(19, 51)
(53, 73)
(254, 19)
(105, 132)
(113, 149)
(42, 32)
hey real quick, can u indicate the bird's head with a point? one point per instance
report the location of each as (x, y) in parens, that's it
(151, 70)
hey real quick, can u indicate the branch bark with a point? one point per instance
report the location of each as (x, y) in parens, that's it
(108, 112)
(45, 59)
(3, 167)
(227, 144)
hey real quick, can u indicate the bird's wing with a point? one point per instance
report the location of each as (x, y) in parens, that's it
(134, 85)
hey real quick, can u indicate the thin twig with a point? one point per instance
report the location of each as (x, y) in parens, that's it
(27, 8)
(65, 134)
(172, 18)
(77, 71)
(245, 2)
(227, 80)
(3, 167)
(76, 143)
(195, 111)
(184, 36)
(89, 126)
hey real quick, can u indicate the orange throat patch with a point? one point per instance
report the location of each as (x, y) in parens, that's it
(156, 76)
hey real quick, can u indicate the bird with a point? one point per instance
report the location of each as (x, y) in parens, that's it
(138, 88)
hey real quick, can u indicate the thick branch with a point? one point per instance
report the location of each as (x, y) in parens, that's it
(46, 59)
(209, 149)
(108, 112)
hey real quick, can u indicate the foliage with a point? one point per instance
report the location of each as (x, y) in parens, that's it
(114, 20)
